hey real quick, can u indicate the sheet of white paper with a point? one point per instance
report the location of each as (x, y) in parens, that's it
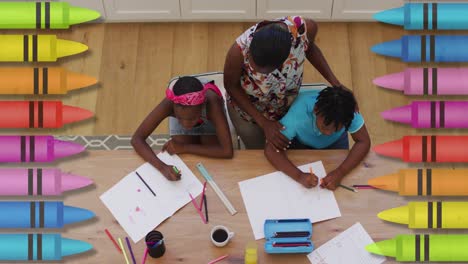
(277, 196)
(137, 210)
(346, 248)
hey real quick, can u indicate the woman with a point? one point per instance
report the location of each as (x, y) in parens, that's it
(263, 73)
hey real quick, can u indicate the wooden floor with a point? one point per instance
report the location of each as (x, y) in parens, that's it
(134, 61)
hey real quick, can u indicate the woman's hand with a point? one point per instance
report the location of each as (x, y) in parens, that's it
(273, 135)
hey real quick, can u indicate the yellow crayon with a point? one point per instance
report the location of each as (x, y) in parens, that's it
(435, 215)
(33, 48)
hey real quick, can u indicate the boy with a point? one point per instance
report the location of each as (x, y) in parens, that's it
(322, 122)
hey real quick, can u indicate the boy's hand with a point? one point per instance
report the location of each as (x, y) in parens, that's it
(332, 180)
(169, 172)
(308, 180)
(172, 147)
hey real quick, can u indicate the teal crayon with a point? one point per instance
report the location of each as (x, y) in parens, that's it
(427, 16)
(28, 247)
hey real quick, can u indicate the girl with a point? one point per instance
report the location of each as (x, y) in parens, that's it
(197, 123)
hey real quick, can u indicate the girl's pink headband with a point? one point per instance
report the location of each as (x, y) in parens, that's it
(194, 98)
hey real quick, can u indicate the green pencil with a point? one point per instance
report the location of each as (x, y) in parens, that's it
(348, 188)
(175, 169)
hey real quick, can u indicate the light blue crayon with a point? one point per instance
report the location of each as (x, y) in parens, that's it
(426, 48)
(22, 247)
(40, 215)
(419, 16)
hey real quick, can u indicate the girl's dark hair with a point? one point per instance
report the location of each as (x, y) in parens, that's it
(271, 45)
(337, 105)
(186, 85)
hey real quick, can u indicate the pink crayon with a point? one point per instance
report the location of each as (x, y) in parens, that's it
(431, 114)
(38, 181)
(427, 81)
(35, 149)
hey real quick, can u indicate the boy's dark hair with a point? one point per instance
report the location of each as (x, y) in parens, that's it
(271, 45)
(186, 85)
(337, 105)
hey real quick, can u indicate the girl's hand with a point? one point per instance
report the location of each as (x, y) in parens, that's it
(332, 180)
(173, 147)
(169, 172)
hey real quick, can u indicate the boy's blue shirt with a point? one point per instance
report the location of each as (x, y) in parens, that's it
(300, 123)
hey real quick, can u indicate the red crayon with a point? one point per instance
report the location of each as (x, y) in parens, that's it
(39, 114)
(426, 149)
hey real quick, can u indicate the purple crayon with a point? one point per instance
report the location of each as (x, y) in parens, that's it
(431, 114)
(38, 181)
(35, 149)
(427, 81)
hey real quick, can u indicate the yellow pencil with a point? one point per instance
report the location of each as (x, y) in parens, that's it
(123, 250)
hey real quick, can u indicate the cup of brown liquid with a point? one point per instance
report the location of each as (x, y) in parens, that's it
(220, 235)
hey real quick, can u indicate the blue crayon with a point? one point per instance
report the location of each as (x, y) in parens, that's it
(23, 247)
(426, 48)
(40, 215)
(426, 16)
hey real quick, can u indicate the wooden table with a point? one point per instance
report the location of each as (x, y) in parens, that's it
(187, 238)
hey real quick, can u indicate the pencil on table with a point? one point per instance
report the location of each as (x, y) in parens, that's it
(113, 240)
(206, 207)
(130, 250)
(123, 250)
(202, 196)
(197, 208)
(145, 255)
(218, 259)
(361, 186)
(348, 188)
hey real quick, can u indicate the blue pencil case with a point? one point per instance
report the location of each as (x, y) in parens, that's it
(285, 236)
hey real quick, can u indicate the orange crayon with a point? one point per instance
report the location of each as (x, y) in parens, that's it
(424, 182)
(41, 80)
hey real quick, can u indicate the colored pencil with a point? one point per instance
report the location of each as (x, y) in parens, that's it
(202, 196)
(145, 255)
(157, 243)
(123, 250)
(291, 220)
(147, 186)
(218, 259)
(175, 169)
(357, 186)
(130, 249)
(206, 207)
(291, 244)
(198, 209)
(348, 188)
(113, 240)
(292, 234)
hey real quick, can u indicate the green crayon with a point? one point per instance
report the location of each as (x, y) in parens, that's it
(442, 248)
(43, 15)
